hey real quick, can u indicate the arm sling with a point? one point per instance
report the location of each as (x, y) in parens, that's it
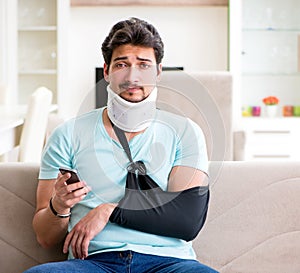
(146, 207)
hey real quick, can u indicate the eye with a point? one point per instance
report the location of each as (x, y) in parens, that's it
(120, 65)
(144, 66)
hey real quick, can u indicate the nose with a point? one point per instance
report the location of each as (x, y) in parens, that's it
(132, 74)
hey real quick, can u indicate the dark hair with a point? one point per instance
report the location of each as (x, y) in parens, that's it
(136, 32)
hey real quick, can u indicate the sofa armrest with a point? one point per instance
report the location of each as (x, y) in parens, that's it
(18, 244)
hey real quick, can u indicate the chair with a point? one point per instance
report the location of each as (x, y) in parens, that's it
(54, 120)
(35, 125)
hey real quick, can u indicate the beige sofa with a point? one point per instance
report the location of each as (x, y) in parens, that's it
(253, 223)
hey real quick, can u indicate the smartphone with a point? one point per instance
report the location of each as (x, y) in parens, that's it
(74, 176)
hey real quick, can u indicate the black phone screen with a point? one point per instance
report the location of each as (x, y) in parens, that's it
(74, 177)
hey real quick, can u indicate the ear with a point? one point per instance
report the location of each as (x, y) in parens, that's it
(105, 72)
(159, 71)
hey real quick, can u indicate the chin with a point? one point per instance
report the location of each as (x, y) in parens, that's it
(132, 97)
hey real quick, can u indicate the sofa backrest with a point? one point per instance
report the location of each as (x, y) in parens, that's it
(252, 226)
(206, 98)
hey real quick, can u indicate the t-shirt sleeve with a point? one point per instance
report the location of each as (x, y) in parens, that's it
(191, 148)
(57, 153)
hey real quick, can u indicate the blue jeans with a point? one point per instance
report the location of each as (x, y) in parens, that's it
(123, 262)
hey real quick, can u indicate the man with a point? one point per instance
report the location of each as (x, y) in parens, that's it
(172, 149)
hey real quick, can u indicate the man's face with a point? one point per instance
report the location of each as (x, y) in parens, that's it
(133, 72)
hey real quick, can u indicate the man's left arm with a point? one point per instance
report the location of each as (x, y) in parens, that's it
(183, 178)
(180, 212)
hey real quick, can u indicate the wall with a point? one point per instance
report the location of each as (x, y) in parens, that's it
(2, 41)
(195, 37)
(8, 59)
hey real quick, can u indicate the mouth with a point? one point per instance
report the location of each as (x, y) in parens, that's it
(131, 89)
(134, 89)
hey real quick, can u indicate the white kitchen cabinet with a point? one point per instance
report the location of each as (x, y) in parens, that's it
(272, 138)
(270, 51)
(265, 51)
(265, 61)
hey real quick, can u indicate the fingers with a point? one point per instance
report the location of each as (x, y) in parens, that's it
(79, 187)
(63, 189)
(76, 245)
(79, 244)
(86, 229)
(62, 186)
(67, 242)
(66, 196)
(72, 240)
(84, 247)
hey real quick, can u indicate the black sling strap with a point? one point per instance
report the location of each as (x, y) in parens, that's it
(123, 140)
(133, 166)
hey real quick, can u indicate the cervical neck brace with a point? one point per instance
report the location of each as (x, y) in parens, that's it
(131, 116)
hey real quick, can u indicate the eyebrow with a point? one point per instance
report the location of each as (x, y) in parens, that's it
(125, 58)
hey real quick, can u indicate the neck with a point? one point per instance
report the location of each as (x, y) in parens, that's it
(131, 116)
(108, 127)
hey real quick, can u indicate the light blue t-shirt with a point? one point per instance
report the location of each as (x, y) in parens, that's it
(83, 144)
